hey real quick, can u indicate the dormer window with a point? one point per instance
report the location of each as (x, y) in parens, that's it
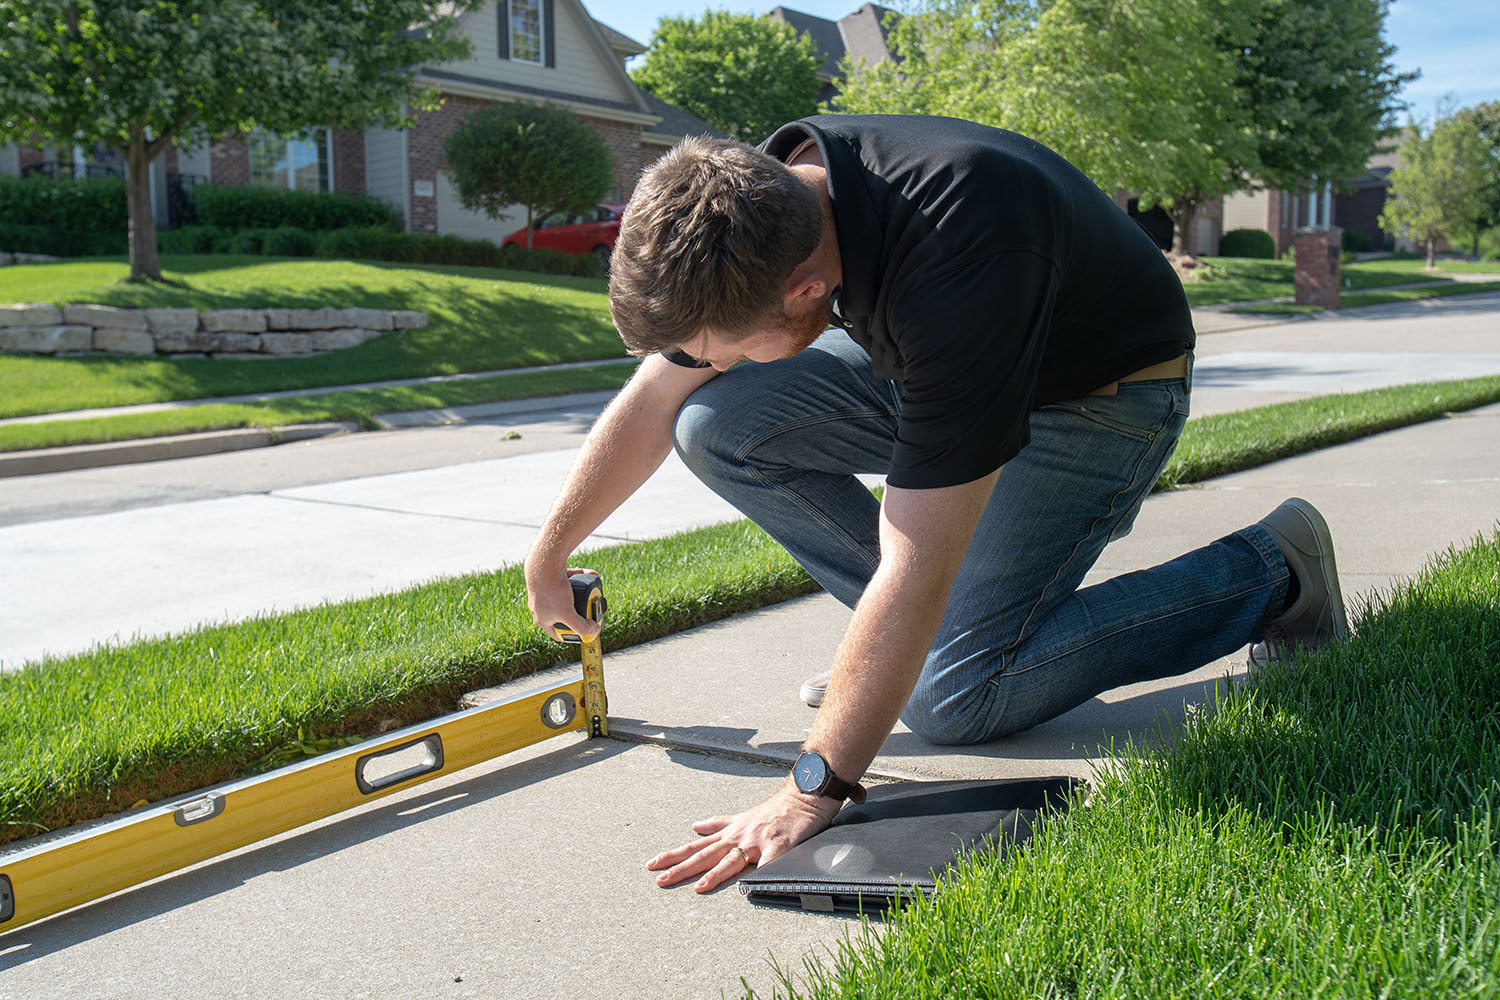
(526, 32)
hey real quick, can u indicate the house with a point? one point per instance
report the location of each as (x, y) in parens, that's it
(861, 36)
(551, 51)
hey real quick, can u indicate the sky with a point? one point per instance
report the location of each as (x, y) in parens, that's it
(1455, 43)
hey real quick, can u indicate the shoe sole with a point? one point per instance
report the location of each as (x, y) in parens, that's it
(812, 697)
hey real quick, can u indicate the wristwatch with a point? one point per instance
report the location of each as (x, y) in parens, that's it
(813, 776)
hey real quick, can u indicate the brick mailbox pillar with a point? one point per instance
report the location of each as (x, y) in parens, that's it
(1318, 273)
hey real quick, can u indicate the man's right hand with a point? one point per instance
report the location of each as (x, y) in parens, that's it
(550, 597)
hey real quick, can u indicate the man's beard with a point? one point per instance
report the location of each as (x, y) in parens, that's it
(801, 331)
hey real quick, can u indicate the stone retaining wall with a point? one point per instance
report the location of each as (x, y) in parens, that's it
(41, 328)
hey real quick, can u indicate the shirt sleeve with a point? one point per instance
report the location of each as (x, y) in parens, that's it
(972, 336)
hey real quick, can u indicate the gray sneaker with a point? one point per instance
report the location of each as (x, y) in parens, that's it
(1317, 617)
(814, 688)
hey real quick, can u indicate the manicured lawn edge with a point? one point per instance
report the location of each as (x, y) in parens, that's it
(1326, 829)
(361, 405)
(1355, 300)
(84, 735)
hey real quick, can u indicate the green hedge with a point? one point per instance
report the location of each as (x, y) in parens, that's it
(270, 208)
(1254, 243)
(1358, 241)
(59, 242)
(373, 243)
(80, 207)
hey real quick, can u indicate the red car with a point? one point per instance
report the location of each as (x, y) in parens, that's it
(575, 234)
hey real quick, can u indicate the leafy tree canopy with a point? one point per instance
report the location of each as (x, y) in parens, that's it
(1176, 101)
(541, 157)
(1440, 188)
(744, 75)
(139, 75)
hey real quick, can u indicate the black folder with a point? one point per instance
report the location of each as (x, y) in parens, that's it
(900, 840)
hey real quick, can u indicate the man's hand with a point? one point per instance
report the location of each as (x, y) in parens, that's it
(551, 599)
(727, 845)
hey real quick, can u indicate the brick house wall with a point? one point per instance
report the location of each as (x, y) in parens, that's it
(426, 145)
(624, 142)
(31, 156)
(230, 161)
(349, 161)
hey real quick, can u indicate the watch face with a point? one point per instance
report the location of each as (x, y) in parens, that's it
(810, 772)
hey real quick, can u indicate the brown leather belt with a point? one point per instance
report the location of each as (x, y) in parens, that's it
(1176, 368)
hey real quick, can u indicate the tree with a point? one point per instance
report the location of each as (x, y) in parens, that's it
(744, 75)
(541, 157)
(1158, 97)
(1439, 189)
(1485, 120)
(1135, 95)
(140, 75)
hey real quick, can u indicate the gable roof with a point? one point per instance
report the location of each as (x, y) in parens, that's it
(860, 35)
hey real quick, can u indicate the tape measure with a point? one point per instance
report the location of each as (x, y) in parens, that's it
(588, 601)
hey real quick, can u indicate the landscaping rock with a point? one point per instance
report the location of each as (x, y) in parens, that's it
(178, 321)
(304, 319)
(409, 319)
(286, 343)
(338, 340)
(213, 343)
(370, 319)
(234, 321)
(124, 341)
(107, 317)
(30, 314)
(46, 339)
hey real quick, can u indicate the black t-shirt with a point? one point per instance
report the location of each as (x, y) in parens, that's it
(987, 274)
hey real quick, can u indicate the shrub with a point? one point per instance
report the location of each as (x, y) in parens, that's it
(190, 239)
(1256, 243)
(289, 241)
(1358, 241)
(87, 206)
(372, 243)
(270, 208)
(59, 242)
(248, 241)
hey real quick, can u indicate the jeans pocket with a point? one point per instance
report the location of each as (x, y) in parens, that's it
(1129, 421)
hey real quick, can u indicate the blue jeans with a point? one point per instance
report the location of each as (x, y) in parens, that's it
(1019, 642)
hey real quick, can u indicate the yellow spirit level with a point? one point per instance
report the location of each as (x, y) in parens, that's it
(67, 870)
(588, 601)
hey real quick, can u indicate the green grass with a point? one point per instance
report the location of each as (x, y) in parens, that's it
(1239, 279)
(1327, 830)
(1229, 442)
(1352, 300)
(83, 734)
(361, 406)
(480, 320)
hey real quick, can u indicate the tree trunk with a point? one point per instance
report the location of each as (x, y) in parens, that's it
(144, 263)
(1182, 214)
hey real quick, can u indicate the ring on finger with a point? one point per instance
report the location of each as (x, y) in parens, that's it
(743, 854)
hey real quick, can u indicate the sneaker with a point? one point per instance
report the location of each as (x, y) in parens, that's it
(814, 688)
(1317, 617)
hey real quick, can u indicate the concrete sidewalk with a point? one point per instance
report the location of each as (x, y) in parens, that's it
(524, 877)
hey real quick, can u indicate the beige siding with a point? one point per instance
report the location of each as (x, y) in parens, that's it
(580, 67)
(455, 220)
(1246, 211)
(385, 171)
(198, 161)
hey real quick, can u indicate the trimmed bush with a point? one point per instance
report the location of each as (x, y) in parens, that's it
(248, 241)
(289, 241)
(1254, 243)
(87, 206)
(371, 243)
(1358, 241)
(190, 239)
(270, 208)
(59, 242)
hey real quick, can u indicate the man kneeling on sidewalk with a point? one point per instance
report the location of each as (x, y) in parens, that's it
(1012, 352)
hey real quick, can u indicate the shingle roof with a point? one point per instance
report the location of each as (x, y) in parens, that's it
(860, 35)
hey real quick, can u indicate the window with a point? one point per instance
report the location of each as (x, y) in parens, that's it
(298, 164)
(526, 30)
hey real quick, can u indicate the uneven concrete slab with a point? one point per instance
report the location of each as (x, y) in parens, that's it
(523, 878)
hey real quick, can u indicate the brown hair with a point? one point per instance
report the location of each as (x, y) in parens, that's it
(710, 236)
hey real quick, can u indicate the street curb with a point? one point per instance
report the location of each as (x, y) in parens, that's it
(39, 461)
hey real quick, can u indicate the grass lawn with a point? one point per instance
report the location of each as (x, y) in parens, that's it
(1243, 279)
(1352, 300)
(80, 736)
(1327, 830)
(480, 320)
